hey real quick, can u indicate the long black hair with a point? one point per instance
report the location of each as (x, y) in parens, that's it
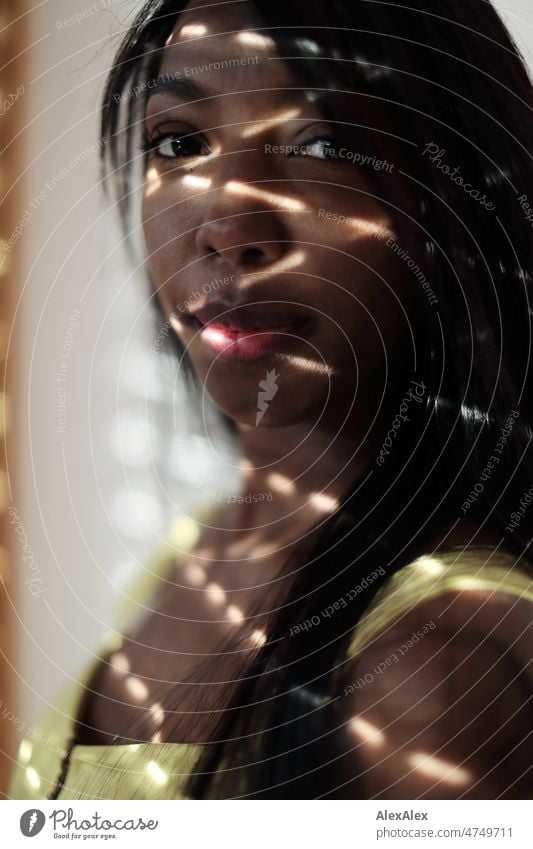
(452, 108)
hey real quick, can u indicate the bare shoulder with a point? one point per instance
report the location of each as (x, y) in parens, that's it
(438, 703)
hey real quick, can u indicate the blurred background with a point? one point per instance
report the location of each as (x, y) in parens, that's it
(104, 458)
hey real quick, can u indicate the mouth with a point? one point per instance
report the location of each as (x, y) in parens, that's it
(251, 331)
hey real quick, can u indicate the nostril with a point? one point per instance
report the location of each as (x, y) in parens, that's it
(252, 256)
(244, 256)
(211, 251)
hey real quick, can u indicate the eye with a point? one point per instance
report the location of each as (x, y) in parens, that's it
(174, 145)
(326, 149)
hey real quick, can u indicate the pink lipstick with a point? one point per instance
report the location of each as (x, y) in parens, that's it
(251, 330)
(246, 344)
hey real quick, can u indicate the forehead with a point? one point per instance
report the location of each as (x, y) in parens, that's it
(221, 47)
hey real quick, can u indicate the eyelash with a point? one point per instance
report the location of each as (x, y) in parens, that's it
(150, 145)
(323, 141)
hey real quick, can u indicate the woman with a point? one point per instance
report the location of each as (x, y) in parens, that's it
(335, 219)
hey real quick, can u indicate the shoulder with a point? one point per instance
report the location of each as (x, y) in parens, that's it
(482, 577)
(436, 689)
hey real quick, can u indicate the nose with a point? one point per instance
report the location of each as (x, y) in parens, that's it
(242, 231)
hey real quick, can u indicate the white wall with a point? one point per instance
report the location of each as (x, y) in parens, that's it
(94, 501)
(87, 533)
(518, 15)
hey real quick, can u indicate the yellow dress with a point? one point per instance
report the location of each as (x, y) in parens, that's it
(161, 770)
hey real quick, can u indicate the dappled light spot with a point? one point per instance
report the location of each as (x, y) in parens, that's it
(258, 638)
(255, 39)
(366, 731)
(264, 550)
(281, 482)
(323, 502)
(158, 713)
(120, 663)
(183, 532)
(364, 227)
(308, 46)
(430, 565)
(215, 594)
(311, 365)
(261, 194)
(192, 31)
(156, 773)
(234, 613)
(236, 549)
(194, 575)
(440, 769)
(25, 751)
(33, 778)
(136, 688)
(153, 182)
(196, 182)
(269, 123)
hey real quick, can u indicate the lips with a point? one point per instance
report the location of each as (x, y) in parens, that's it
(250, 330)
(252, 316)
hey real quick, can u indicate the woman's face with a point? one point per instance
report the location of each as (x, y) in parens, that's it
(254, 220)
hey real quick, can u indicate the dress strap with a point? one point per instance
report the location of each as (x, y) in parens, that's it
(454, 569)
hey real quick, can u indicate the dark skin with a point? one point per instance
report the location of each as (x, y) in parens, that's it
(218, 206)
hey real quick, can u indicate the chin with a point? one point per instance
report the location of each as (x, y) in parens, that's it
(267, 392)
(277, 414)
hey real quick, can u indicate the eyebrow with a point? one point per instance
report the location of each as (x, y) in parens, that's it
(177, 86)
(186, 89)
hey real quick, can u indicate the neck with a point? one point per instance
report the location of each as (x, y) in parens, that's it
(298, 474)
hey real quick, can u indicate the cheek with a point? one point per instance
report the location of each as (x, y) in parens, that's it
(376, 309)
(165, 228)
